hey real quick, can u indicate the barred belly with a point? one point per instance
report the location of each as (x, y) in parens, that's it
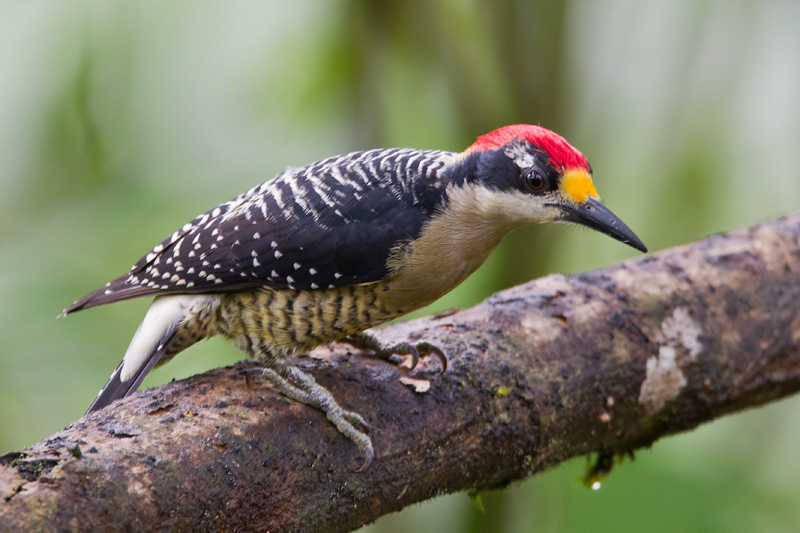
(269, 323)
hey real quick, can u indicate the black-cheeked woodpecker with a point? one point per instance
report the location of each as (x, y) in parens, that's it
(323, 252)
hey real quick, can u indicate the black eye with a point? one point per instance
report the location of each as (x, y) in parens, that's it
(535, 180)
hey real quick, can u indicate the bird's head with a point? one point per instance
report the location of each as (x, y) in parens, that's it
(542, 178)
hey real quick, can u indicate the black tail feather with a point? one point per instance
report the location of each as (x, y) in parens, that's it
(116, 291)
(116, 389)
(156, 341)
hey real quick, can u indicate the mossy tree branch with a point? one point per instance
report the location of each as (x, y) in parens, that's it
(606, 361)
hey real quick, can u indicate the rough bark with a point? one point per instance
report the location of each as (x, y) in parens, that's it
(606, 361)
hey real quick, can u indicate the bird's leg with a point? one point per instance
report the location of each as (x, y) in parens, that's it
(365, 341)
(300, 386)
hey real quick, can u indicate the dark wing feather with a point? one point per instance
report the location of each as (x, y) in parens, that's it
(330, 224)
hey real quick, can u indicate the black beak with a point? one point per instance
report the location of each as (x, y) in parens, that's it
(595, 215)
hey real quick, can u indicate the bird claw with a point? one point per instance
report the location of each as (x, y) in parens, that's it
(300, 386)
(369, 455)
(366, 341)
(427, 349)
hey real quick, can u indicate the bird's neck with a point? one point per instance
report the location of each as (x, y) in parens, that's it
(450, 247)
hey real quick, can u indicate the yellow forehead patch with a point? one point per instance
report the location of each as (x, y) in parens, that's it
(576, 184)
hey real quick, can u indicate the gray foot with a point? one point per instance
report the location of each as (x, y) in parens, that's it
(302, 387)
(365, 341)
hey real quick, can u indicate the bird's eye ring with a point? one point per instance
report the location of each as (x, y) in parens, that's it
(536, 181)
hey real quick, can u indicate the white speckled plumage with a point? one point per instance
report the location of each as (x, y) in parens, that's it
(383, 231)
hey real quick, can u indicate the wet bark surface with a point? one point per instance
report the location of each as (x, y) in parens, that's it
(606, 361)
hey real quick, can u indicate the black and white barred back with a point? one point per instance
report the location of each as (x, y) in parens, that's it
(330, 224)
(324, 252)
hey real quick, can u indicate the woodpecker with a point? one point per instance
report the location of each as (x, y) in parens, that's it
(324, 252)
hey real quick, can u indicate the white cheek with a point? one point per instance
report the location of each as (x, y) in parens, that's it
(515, 208)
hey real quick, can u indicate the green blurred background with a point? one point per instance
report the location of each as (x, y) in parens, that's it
(120, 121)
